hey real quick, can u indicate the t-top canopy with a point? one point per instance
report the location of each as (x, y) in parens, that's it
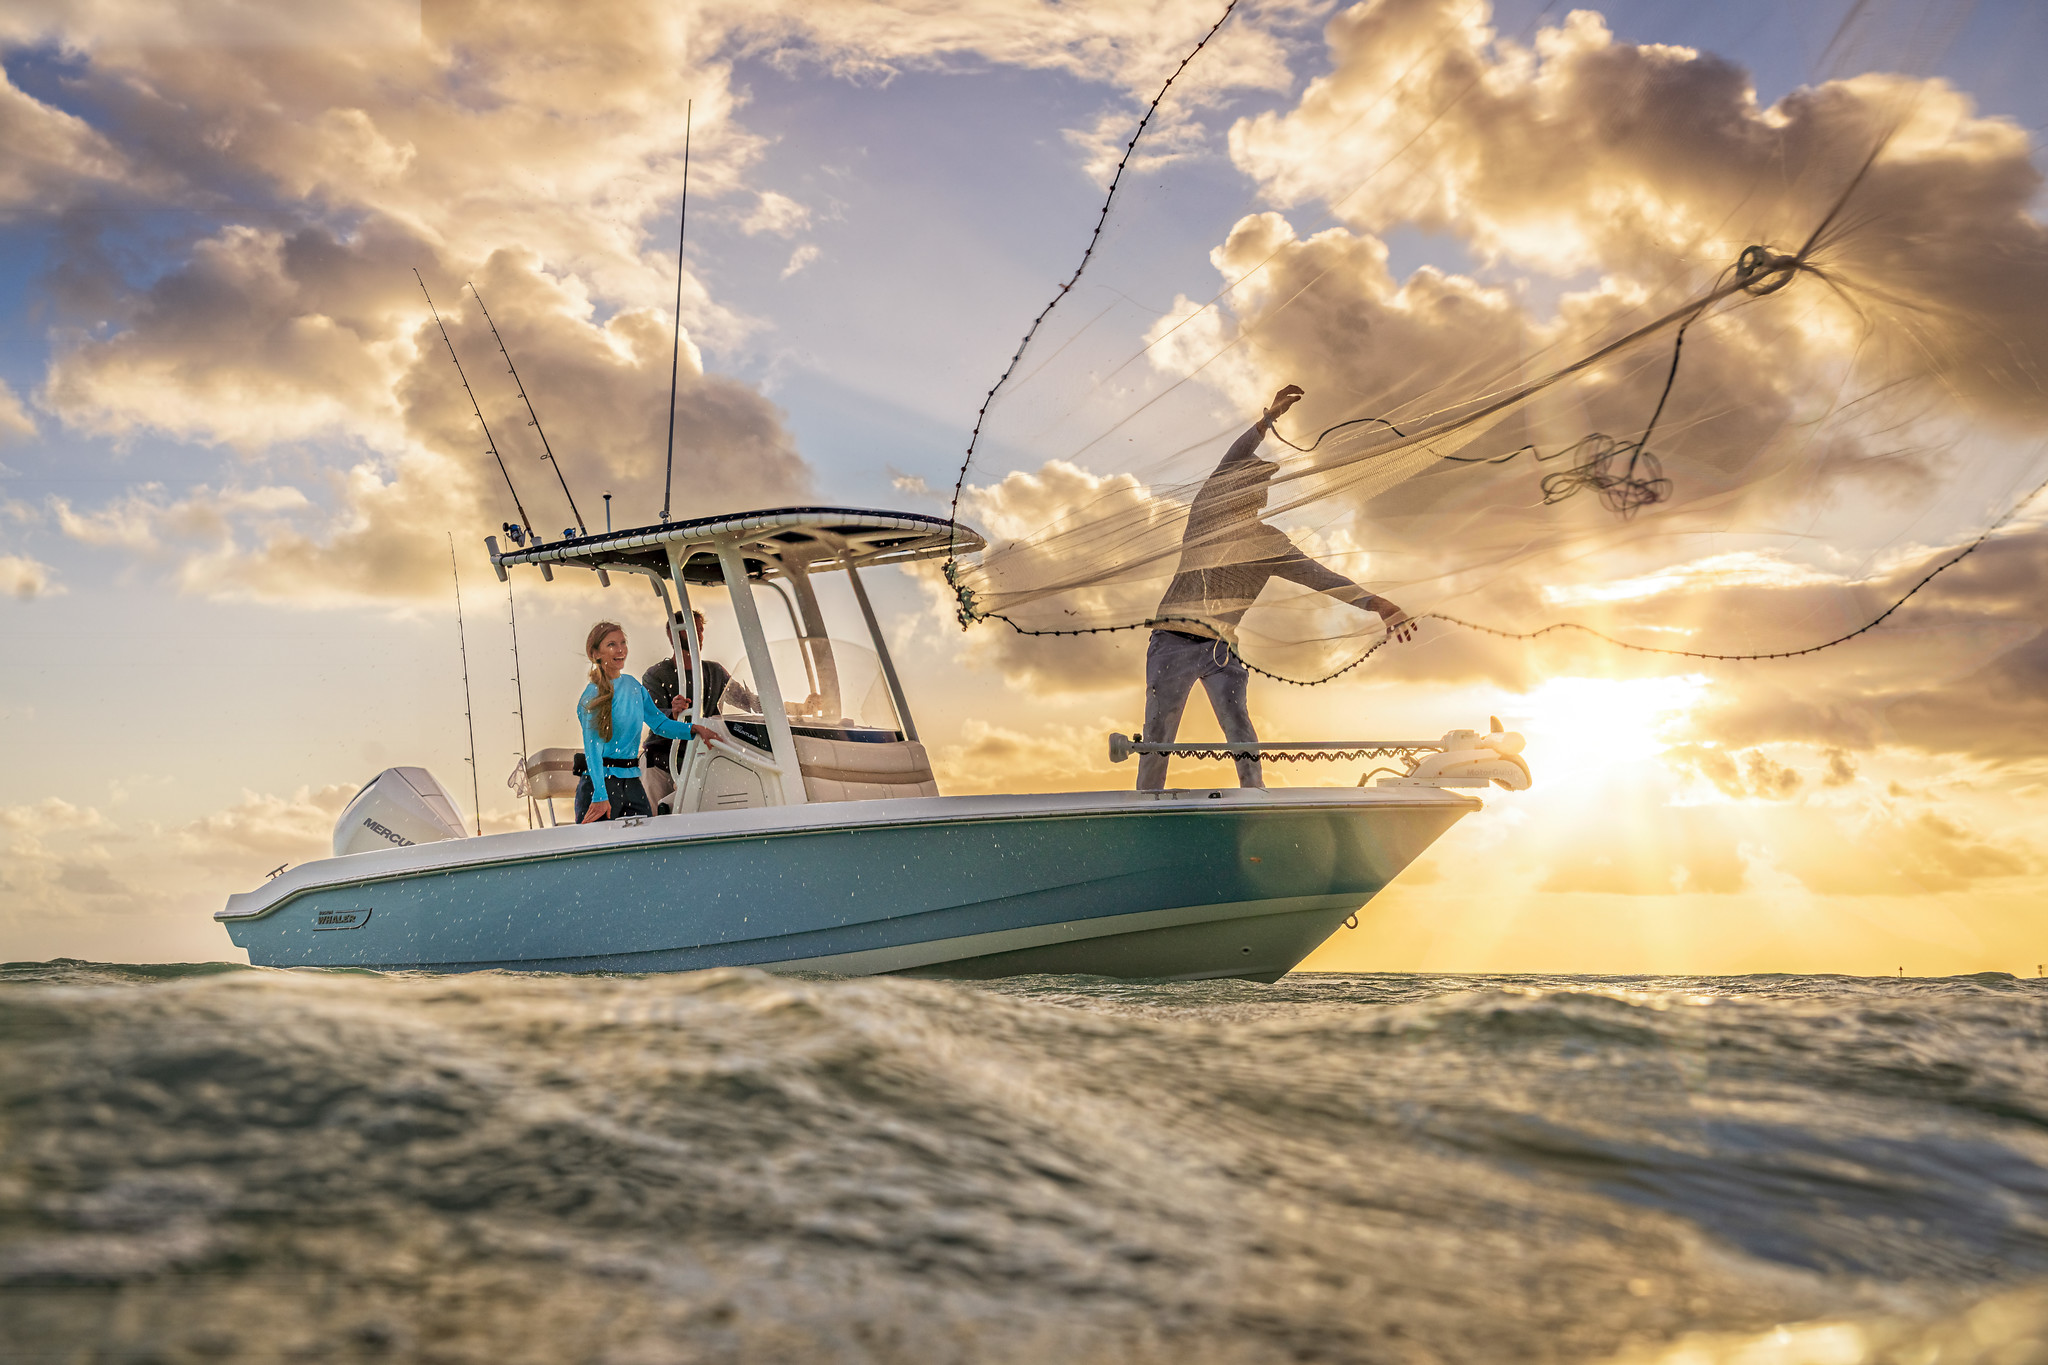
(820, 538)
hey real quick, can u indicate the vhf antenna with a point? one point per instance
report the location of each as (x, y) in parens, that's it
(676, 355)
(475, 790)
(478, 410)
(532, 417)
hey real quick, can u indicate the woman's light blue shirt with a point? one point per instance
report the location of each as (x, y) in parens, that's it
(631, 709)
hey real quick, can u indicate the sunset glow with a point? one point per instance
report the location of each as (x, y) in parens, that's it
(234, 452)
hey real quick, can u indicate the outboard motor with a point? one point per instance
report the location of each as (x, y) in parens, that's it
(401, 807)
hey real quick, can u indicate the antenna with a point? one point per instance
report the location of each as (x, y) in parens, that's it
(532, 417)
(676, 354)
(475, 792)
(519, 691)
(478, 410)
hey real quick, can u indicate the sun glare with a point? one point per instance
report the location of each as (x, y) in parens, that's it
(1578, 727)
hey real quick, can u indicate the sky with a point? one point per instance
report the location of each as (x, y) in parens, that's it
(239, 480)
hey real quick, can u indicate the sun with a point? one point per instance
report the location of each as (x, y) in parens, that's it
(1583, 727)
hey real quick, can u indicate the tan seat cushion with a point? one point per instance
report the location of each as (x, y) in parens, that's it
(551, 772)
(844, 770)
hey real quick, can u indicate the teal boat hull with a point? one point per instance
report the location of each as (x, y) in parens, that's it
(1174, 885)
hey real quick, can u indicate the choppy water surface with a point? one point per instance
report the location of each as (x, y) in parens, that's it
(229, 1164)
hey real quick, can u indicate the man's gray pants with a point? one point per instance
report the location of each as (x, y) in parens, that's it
(1174, 663)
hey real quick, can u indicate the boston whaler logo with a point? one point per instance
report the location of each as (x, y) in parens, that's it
(393, 835)
(341, 919)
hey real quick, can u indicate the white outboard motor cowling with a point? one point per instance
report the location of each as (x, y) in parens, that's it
(401, 807)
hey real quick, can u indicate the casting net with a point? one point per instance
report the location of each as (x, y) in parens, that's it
(1585, 323)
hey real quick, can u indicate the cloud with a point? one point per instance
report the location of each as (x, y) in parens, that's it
(1899, 854)
(534, 150)
(1014, 514)
(260, 827)
(1641, 160)
(1106, 143)
(1757, 774)
(50, 814)
(264, 338)
(800, 258)
(57, 853)
(1134, 44)
(15, 423)
(992, 758)
(53, 158)
(146, 519)
(776, 213)
(27, 579)
(260, 337)
(74, 878)
(1597, 184)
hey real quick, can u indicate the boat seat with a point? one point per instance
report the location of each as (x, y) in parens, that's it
(551, 773)
(847, 770)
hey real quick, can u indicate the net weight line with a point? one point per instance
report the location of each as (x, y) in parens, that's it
(1864, 629)
(1958, 557)
(1101, 220)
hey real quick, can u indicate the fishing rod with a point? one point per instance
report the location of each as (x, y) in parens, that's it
(532, 417)
(475, 407)
(676, 354)
(476, 794)
(519, 693)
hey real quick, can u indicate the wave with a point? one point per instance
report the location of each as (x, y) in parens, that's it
(732, 1165)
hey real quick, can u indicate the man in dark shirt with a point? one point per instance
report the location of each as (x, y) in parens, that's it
(670, 688)
(1227, 557)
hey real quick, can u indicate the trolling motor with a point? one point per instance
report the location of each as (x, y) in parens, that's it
(1462, 758)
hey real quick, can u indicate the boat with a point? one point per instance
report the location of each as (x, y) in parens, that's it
(812, 835)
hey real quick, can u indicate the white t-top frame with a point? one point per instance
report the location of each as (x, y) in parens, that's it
(789, 543)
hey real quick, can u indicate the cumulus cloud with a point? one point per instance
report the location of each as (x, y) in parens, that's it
(530, 148)
(262, 826)
(58, 853)
(53, 159)
(74, 878)
(1643, 161)
(1598, 184)
(1014, 514)
(265, 338)
(25, 579)
(1650, 168)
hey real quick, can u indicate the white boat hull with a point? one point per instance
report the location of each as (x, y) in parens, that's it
(1182, 884)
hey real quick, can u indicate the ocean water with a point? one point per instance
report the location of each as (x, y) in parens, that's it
(226, 1164)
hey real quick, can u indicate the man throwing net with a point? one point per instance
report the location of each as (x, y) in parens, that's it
(1227, 557)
